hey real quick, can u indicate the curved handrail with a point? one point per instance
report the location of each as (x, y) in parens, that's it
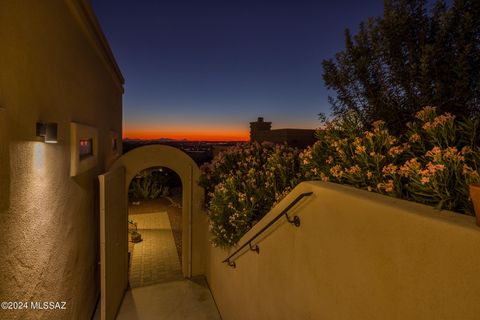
(295, 221)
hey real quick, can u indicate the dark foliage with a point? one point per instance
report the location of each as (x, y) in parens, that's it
(411, 57)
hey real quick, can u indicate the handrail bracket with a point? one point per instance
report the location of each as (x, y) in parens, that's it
(295, 220)
(254, 247)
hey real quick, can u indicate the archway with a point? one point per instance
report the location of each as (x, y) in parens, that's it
(194, 222)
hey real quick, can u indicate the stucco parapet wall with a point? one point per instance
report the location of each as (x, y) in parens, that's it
(356, 255)
(389, 206)
(83, 11)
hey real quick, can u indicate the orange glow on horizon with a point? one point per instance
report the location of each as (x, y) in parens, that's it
(194, 136)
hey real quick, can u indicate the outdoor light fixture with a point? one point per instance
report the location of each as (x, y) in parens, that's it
(47, 130)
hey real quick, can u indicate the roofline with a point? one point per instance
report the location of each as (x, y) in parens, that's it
(84, 12)
(296, 129)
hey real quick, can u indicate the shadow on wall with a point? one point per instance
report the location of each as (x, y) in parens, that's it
(4, 163)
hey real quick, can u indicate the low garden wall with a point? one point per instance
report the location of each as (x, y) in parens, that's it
(356, 255)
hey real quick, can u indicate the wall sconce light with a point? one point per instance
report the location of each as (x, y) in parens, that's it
(47, 130)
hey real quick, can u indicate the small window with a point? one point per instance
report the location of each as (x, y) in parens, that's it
(86, 148)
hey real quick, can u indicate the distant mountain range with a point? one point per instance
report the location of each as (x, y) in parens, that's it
(175, 140)
(160, 139)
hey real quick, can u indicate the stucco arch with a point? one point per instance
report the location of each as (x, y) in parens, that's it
(194, 221)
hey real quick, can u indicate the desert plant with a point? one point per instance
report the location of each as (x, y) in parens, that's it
(149, 184)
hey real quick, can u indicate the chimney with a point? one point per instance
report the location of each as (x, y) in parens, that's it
(257, 128)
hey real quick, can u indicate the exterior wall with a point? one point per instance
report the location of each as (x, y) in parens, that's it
(260, 131)
(194, 219)
(356, 255)
(55, 67)
(299, 138)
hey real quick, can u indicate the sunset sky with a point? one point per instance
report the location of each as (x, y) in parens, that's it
(202, 70)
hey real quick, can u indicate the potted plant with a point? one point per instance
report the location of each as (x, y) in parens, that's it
(475, 196)
(135, 236)
(132, 226)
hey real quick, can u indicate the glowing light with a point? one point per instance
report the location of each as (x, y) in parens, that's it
(39, 156)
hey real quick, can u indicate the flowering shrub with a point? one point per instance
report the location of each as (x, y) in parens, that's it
(433, 163)
(445, 159)
(243, 183)
(346, 154)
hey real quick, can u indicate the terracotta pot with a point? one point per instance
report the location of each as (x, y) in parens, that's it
(135, 237)
(475, 196)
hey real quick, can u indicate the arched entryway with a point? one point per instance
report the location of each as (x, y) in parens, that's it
(193, 219)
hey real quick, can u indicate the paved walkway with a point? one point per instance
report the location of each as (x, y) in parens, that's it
(155, 259)
(161, 205)
(177, 300)
(158, 289)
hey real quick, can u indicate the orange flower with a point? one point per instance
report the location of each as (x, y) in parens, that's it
(425, 113)
(354, 169)
(396, 150)
(414, 137)
(360, 149)
(369, 175)
(336, 171)
(425, 180)
(389, 169)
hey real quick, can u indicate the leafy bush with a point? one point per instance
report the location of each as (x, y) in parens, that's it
(243, 183)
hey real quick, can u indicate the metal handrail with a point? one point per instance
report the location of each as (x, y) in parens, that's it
(295, 221)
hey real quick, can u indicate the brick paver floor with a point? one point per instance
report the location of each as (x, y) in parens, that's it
(154, 259)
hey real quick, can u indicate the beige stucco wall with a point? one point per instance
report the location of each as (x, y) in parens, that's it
(356, 255)
(55, 67)
(194, 219)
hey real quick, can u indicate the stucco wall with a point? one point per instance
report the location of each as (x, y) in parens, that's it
(356, 255)
(54, 68)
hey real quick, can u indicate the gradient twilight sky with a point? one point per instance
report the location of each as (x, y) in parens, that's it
(205, 69)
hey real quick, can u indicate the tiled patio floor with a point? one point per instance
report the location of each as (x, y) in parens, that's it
(155, 259)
